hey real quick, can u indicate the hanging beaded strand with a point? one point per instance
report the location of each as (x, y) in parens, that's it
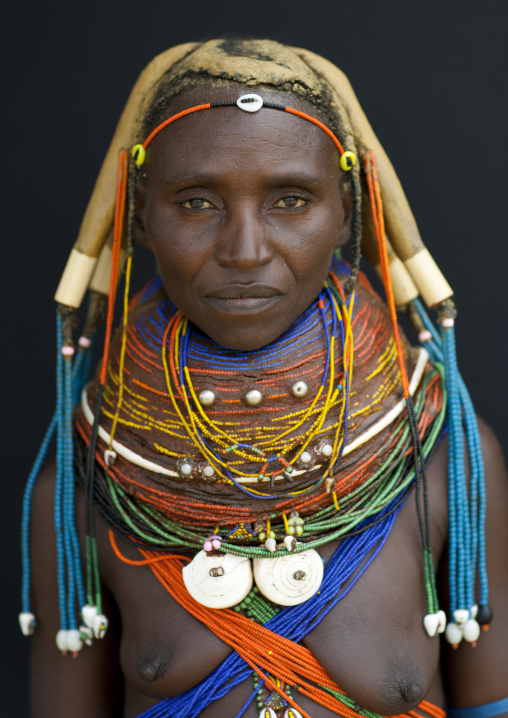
(466, 513)
(92, 611)
(70, 377)
(435, 620)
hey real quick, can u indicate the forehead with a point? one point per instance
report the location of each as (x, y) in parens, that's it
(228, 135)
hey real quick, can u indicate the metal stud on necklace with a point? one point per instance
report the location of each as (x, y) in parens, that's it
(300, 389)
(206, 397)
(253, 397)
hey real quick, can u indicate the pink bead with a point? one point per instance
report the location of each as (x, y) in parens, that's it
(425, 335)
(216, 543)
(207, 546)
(84, 342)
(448, 322)
(67, 351)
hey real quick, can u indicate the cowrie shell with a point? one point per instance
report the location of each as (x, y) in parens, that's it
(250, 102)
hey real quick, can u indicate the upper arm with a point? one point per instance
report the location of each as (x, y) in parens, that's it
(478, 675)
(89, 684)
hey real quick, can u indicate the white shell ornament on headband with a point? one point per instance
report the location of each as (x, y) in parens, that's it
(250, 103)
(218, 581)
(291, 579)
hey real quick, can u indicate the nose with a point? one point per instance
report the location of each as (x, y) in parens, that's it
(244, 243)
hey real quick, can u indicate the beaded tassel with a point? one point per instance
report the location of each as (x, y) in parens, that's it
(435, 619)
(466, 512)
(92, 612)
(69, 380)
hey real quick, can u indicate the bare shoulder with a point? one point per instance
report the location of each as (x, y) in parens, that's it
(477, 675)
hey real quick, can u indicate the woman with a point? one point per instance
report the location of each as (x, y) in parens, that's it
(259, 415)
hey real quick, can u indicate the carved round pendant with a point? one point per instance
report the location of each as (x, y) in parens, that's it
(289, 580)
(218, 581)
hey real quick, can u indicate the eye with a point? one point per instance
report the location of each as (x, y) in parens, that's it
(290, 202)
(196, 203)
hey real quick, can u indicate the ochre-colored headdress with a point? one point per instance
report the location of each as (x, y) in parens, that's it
(251, 64)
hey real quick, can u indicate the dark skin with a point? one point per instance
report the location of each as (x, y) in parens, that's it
(263, 206)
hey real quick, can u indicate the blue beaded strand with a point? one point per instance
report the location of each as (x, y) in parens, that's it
(58, 501)
(26, 514)
(70, 379)
(466, 514)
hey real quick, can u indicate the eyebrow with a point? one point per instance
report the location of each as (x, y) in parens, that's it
(202, 178)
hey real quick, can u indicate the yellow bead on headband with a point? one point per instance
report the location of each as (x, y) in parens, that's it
(248, 103)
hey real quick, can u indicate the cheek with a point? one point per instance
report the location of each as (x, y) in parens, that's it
(308, 248)
(180, 252)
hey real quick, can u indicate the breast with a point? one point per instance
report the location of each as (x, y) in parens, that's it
(372, 643)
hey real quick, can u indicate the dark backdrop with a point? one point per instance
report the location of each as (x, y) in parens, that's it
(431, 78)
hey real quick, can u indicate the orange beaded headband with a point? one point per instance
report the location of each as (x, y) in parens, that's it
(249, 103)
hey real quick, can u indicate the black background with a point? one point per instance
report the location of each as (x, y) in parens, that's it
(431, 78)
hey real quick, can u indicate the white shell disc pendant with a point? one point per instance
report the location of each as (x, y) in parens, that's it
(289, 580)
(218, 581)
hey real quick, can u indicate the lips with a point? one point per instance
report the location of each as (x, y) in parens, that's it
(243, 298)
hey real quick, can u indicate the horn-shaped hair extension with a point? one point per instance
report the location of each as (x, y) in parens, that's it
(97, 222)
(270, 65)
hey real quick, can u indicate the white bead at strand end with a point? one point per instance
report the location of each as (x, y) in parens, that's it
(271, 544)
(471, 631)
(460, 616)
(61, 640)
(27, 623)
(290, 543)
(431, 623)
(305, 457)
(453, 634)
(74, 641)
(100, 625)
(88, 613)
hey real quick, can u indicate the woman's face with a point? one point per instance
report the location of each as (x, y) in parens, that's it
(243, 212)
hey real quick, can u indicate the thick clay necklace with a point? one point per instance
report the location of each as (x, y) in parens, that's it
(277, 455)
(221, 574)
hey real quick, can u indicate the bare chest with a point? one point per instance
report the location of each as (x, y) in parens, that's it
(372, 643)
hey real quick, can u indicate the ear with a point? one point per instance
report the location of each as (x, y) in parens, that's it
(138, 229)
(347, 205)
